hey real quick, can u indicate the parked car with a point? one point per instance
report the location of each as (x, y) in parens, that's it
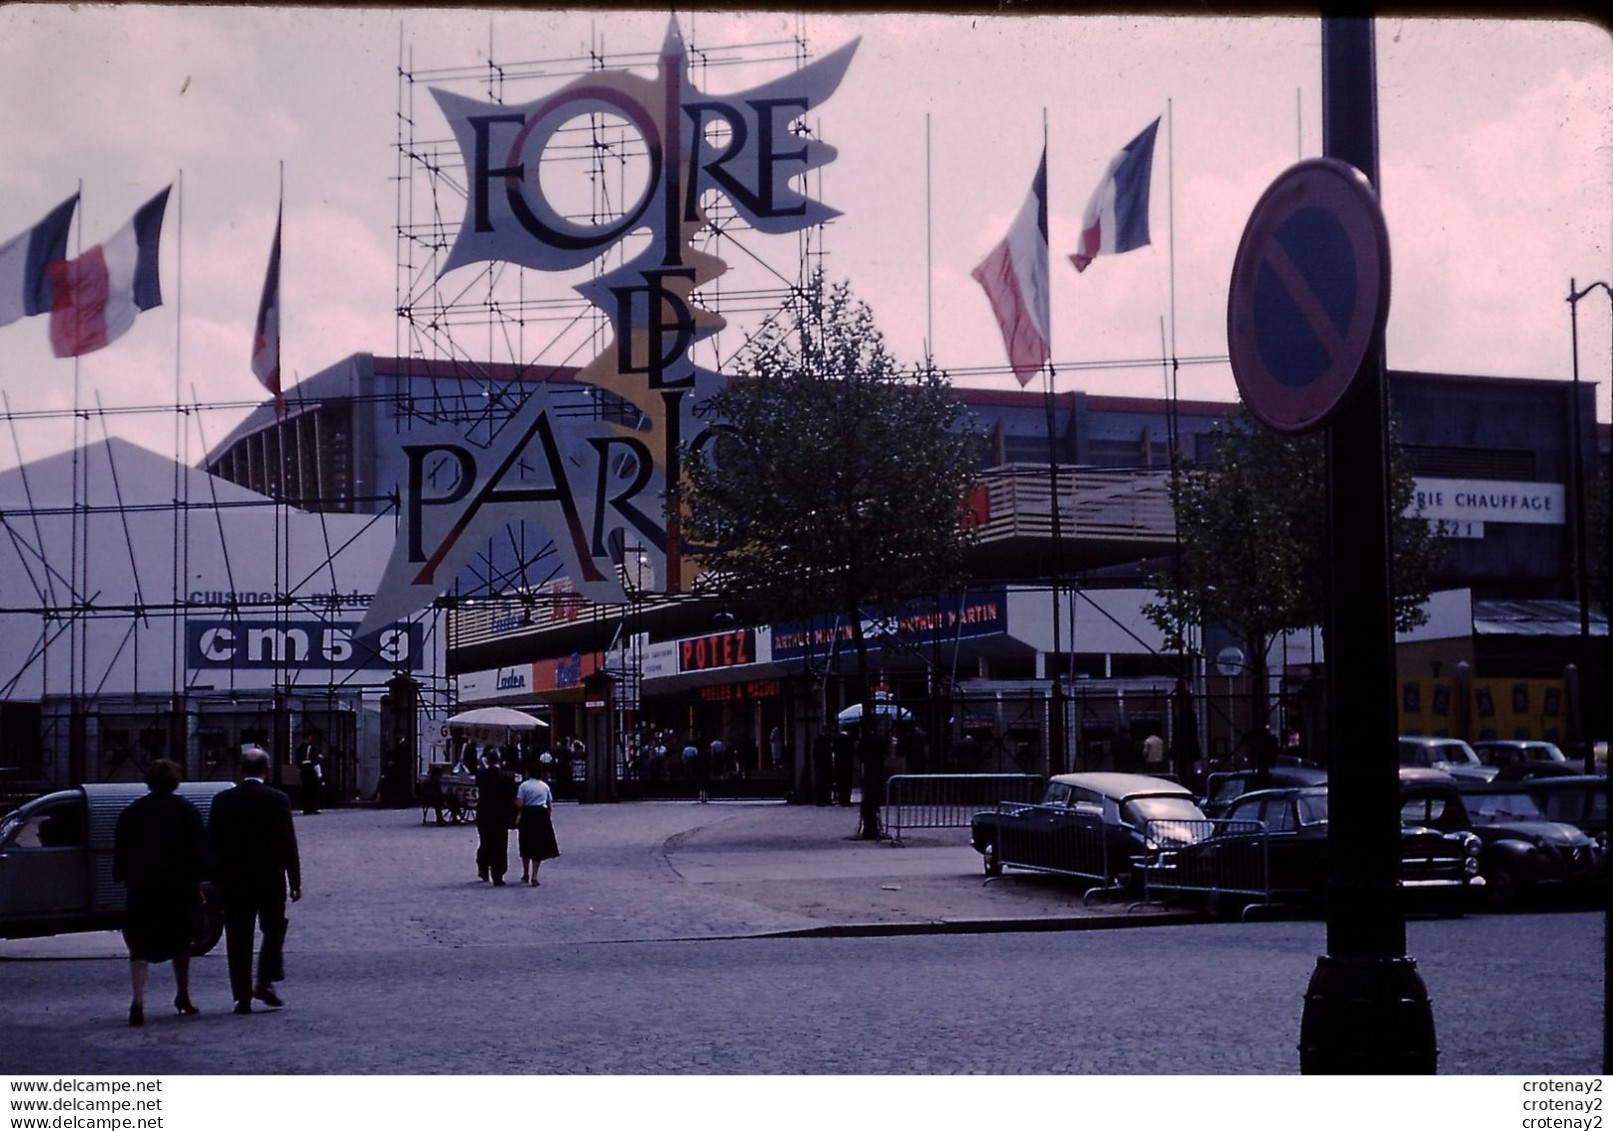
(1579, 800)
(1089, 824)
(1523, 855)
(1451, 755)
(1516, 758)
(56, 862)
(1439, 870)
(1221, 790)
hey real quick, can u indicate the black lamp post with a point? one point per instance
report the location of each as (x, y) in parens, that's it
(1582, 586)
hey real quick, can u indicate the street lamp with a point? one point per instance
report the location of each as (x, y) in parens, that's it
(1582, 585)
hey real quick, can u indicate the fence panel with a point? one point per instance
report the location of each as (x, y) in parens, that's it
(948, 801)
(1213, 859)
(1054, 839)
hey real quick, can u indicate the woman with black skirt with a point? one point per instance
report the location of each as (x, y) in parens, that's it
(159, 854)
(535, 802)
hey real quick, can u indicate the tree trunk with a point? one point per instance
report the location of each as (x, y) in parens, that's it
(1263, 744)
(870, 749)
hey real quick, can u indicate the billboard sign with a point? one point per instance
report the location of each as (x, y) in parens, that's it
(594, 484)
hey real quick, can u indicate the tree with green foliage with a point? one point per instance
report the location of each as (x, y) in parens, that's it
(834, 484)
(1252, 526)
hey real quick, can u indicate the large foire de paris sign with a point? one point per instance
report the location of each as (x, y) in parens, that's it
(594, 483)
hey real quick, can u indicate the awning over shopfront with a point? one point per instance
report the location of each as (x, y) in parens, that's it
(1532, 618)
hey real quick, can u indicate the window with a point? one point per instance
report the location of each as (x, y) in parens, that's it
(1313, 809)
(53, 826)
(1279, 815)
(1503, 807)
(1436, 812)
(1413, 754)
(1244, 811)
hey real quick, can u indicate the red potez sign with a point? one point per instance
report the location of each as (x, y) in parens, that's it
(719, 650)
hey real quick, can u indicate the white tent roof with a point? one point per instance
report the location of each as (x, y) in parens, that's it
(223, 552)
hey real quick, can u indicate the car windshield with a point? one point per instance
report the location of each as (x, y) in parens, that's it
(1560, 805)
(1313, 808)
(1503, 807)
(1457, 753)
(1164, 809)
(9, 824)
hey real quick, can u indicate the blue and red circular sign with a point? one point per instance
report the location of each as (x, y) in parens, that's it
(1309, 295)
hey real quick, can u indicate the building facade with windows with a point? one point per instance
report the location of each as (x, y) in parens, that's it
(1494, 460)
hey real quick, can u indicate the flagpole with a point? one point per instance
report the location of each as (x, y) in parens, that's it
(1173, 398)
(1056, 751)
(279, 310)
(929, 258)
(77, 727)
(1170, 215)
(181, 515)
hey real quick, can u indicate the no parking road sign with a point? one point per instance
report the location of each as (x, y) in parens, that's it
(1310, 294)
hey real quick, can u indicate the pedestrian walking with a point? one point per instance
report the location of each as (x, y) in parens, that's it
(535, 836)
(691, 755)
(433, 795)
(822, 770)
(159, 854)
(255, 859)
(1154, 754)
(495, 813)
(844, 752)
(702, 772)
(311, 776)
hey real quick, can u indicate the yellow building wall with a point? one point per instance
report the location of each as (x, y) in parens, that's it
(1489, 708)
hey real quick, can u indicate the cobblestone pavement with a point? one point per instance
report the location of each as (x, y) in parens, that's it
(651, 947)
(637, 871)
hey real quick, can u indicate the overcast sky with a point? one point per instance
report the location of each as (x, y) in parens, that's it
(1496, 154)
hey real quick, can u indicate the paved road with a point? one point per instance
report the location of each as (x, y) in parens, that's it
(654, 945)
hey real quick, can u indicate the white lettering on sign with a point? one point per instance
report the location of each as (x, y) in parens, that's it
(1457, 529)
(1460, 501)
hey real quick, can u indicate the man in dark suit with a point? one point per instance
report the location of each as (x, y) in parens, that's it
(495, 810)
(255, 855)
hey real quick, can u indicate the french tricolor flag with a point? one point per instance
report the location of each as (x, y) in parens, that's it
(24, 279)
(266, 333)
(95, 297)
(1015, 278)
(1116, 218)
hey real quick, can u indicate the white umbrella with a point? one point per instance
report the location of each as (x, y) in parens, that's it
(507, 717)
(854, 713)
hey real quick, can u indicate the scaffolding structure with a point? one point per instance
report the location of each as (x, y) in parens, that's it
(108, 578)
(503, 330)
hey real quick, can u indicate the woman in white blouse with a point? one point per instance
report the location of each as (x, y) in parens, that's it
(534, 800)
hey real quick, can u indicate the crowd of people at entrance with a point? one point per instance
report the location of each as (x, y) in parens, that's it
(668, 756)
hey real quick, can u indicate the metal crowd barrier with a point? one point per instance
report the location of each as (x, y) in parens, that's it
(1057, 840)
(1212, 859)
(948, 801)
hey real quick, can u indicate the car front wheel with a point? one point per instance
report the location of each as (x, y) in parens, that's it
(1501, 890)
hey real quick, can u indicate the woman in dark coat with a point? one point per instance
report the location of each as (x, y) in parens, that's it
(159, 854)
